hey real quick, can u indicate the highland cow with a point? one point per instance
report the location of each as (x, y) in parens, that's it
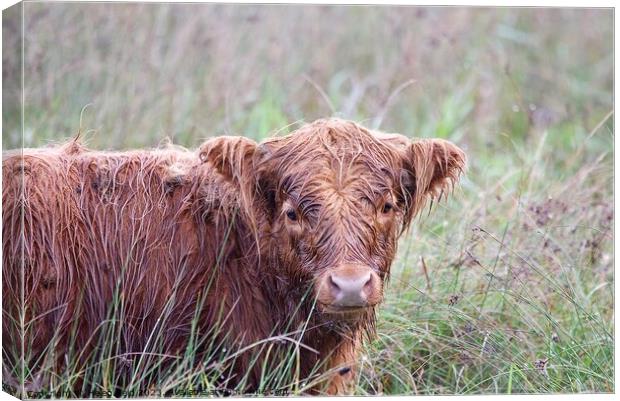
(252, 247)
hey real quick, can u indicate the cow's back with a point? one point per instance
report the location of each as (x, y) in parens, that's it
(98, 237)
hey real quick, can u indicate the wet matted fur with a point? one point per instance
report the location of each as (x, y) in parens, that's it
(236, 242)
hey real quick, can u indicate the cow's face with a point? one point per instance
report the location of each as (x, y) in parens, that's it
(337, 196)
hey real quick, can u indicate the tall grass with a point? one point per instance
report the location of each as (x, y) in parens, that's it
(505, 288)
(519, 292)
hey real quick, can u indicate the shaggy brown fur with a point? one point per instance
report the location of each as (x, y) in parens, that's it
(236, 236)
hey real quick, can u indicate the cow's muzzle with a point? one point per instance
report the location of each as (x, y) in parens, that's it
(349, 288)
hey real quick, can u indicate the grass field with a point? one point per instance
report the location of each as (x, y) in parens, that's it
(505, 288)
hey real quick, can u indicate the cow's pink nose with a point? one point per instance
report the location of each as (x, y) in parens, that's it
(350, 290)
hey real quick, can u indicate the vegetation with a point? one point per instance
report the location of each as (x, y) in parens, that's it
(505, 288)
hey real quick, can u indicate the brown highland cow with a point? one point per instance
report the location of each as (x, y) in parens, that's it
(254, 248)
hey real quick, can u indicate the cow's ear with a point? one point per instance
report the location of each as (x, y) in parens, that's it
(231, 156)
(431, 168)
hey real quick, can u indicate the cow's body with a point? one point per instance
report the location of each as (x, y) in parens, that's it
(168, 242)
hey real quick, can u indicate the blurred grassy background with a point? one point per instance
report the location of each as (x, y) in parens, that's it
(190, 71)
(519, 291)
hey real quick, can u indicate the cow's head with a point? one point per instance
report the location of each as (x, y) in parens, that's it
(335, 197)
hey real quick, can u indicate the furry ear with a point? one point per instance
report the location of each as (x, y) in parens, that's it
(431, 167)
(231, 156)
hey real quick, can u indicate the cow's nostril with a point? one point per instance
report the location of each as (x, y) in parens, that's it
(368, 282)
(333, 283)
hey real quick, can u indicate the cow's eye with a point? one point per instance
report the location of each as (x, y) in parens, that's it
(387, 207)
(291, 215)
